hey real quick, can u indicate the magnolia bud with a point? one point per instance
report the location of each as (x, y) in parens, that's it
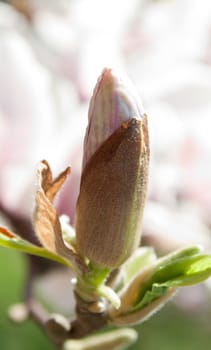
(114, 178)
(114, 102)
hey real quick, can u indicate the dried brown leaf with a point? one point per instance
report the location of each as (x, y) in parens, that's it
(46, 221)
(49, 186)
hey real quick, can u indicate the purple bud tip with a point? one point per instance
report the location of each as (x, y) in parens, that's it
(114, 102)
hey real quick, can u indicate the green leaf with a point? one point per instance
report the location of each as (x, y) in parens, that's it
(197, 271)
(149, 290)
(16, 242)
(156, 292)
(171, 272)
(140, 258)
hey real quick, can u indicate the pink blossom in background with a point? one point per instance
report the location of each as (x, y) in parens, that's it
(36, 122)
(49, 67)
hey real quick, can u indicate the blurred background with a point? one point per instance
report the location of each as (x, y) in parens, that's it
(51, 54)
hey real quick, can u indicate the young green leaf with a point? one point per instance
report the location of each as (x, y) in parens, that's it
(142, 257)
(185, 271)
(10, 240)
(176, 273)
(153, 286)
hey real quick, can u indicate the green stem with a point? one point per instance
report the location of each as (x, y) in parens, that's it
(91, 285)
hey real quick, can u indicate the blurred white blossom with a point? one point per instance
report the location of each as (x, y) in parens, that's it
(48, 66)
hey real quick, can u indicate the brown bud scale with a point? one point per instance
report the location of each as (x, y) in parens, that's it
(112, 196)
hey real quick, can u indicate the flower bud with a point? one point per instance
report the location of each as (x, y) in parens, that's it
(114, 102)
(115, 172)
